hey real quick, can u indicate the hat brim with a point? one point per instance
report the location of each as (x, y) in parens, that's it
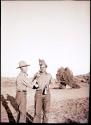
(23, 66)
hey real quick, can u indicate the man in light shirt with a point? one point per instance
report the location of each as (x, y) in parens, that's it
(42, 95)
(22, 82)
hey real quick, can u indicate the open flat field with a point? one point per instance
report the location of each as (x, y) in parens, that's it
(67, 105)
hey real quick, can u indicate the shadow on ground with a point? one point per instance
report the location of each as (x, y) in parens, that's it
(12, 100)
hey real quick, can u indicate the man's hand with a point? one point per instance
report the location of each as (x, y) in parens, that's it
(35, 86)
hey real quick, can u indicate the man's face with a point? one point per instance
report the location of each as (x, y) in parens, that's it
(24, 69)
(42, 69)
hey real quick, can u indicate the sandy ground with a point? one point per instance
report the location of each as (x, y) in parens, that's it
(67, 105)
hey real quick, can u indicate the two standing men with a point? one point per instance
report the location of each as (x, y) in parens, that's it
(42, 95)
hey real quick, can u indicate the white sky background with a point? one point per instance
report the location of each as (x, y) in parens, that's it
(56, 31)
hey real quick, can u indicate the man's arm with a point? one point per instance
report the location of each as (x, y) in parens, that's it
(34, 81)
(52, 83)
(35, 76)
(27, 82)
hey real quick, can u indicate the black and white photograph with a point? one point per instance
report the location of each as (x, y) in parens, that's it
(45, 61)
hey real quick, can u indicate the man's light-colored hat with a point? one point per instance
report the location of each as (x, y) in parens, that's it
(22, 64)
(42, 63)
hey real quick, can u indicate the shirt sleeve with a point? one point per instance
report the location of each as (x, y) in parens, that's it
(35, 76)
(27, 82)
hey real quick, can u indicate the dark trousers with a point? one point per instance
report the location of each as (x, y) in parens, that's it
(42, 103)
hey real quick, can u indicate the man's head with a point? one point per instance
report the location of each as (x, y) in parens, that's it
(23, 66)
(43, 65)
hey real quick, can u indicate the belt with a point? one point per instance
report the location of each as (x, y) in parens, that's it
(21, 90)
(43, 93)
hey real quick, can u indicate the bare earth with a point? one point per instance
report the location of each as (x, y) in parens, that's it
(67, 105)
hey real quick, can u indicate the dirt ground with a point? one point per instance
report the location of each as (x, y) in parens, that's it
(67, 105)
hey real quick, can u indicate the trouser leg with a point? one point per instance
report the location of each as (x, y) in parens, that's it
(46, 107)
(21, 100)
(38, 107)
(18, 100)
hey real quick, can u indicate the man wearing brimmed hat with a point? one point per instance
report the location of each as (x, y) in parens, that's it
(22, 82)
(42, 95)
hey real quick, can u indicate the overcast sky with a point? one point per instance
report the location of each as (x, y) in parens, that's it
(56, 31)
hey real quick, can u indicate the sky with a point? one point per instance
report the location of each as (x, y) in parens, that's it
(56, 31)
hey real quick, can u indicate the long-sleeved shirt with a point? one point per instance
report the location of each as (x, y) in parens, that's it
(22, 82)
